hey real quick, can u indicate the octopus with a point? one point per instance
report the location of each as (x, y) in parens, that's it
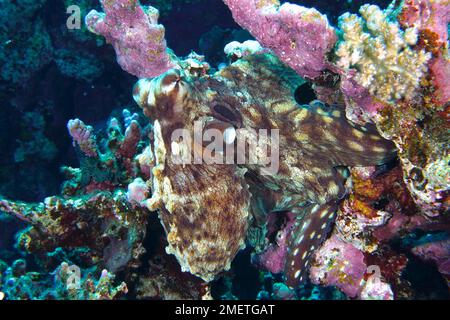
(206, 208)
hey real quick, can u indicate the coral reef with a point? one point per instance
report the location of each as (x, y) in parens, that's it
(428, 16)
(387, 65)
(273, 258)
(134, 32)
(163, 279)
(17, 283)
(93, 213)
(415, 121)
(98, 223)
(300, 37)
(438, 253)
(340, 264)
(228, 174)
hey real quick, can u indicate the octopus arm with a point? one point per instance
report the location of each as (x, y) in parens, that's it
(307, 234)
(327, 131)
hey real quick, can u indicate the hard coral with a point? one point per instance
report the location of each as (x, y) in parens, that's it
(67, 282)
(163, 279)
(300, 37)
(106, 224)
(207, 210)
(134, 32)
(374, 202)
(413, 115)
(382, 53)
(105, 163)
(437, 252)
(429, 16)
(84, 137)
(339, 264)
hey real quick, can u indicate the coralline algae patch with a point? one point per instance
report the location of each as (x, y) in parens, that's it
(359, 197)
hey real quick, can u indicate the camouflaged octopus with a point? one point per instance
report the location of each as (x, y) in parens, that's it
(206, 209)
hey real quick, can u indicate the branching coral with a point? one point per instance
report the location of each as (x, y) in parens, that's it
(394, 71)
(65, 283)
(94, 214)
(134, 32)
(102, 223)
(382, 53)
(105, 163)
(300, 37)
(84, 137)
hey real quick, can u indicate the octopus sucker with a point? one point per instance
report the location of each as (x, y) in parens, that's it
(206, 209)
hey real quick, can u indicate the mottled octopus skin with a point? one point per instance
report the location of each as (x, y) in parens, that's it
(206, 209)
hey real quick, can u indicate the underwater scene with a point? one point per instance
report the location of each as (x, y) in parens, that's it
(224, 150)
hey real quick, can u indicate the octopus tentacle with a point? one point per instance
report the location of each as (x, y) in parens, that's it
(307, 235)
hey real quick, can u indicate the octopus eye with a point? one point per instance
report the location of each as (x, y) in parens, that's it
(225, 113)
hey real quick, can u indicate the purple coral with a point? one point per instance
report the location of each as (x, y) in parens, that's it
(84, 136)
(339, 264)
(427, 15)
(134, 32)
(361, 105)
(137, 191)
(131, 140)
(300, 37)
(274, 257)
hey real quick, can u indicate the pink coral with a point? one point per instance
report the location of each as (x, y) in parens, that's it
(431, 15)
(131, 140)
(146, 161)
(274, 257)
(300, 37)
(339, 264)
(137, 191)
(440, 69)
(398, 224)
(134, 32)
(361, 107)
(84, 136)
(431, 18)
